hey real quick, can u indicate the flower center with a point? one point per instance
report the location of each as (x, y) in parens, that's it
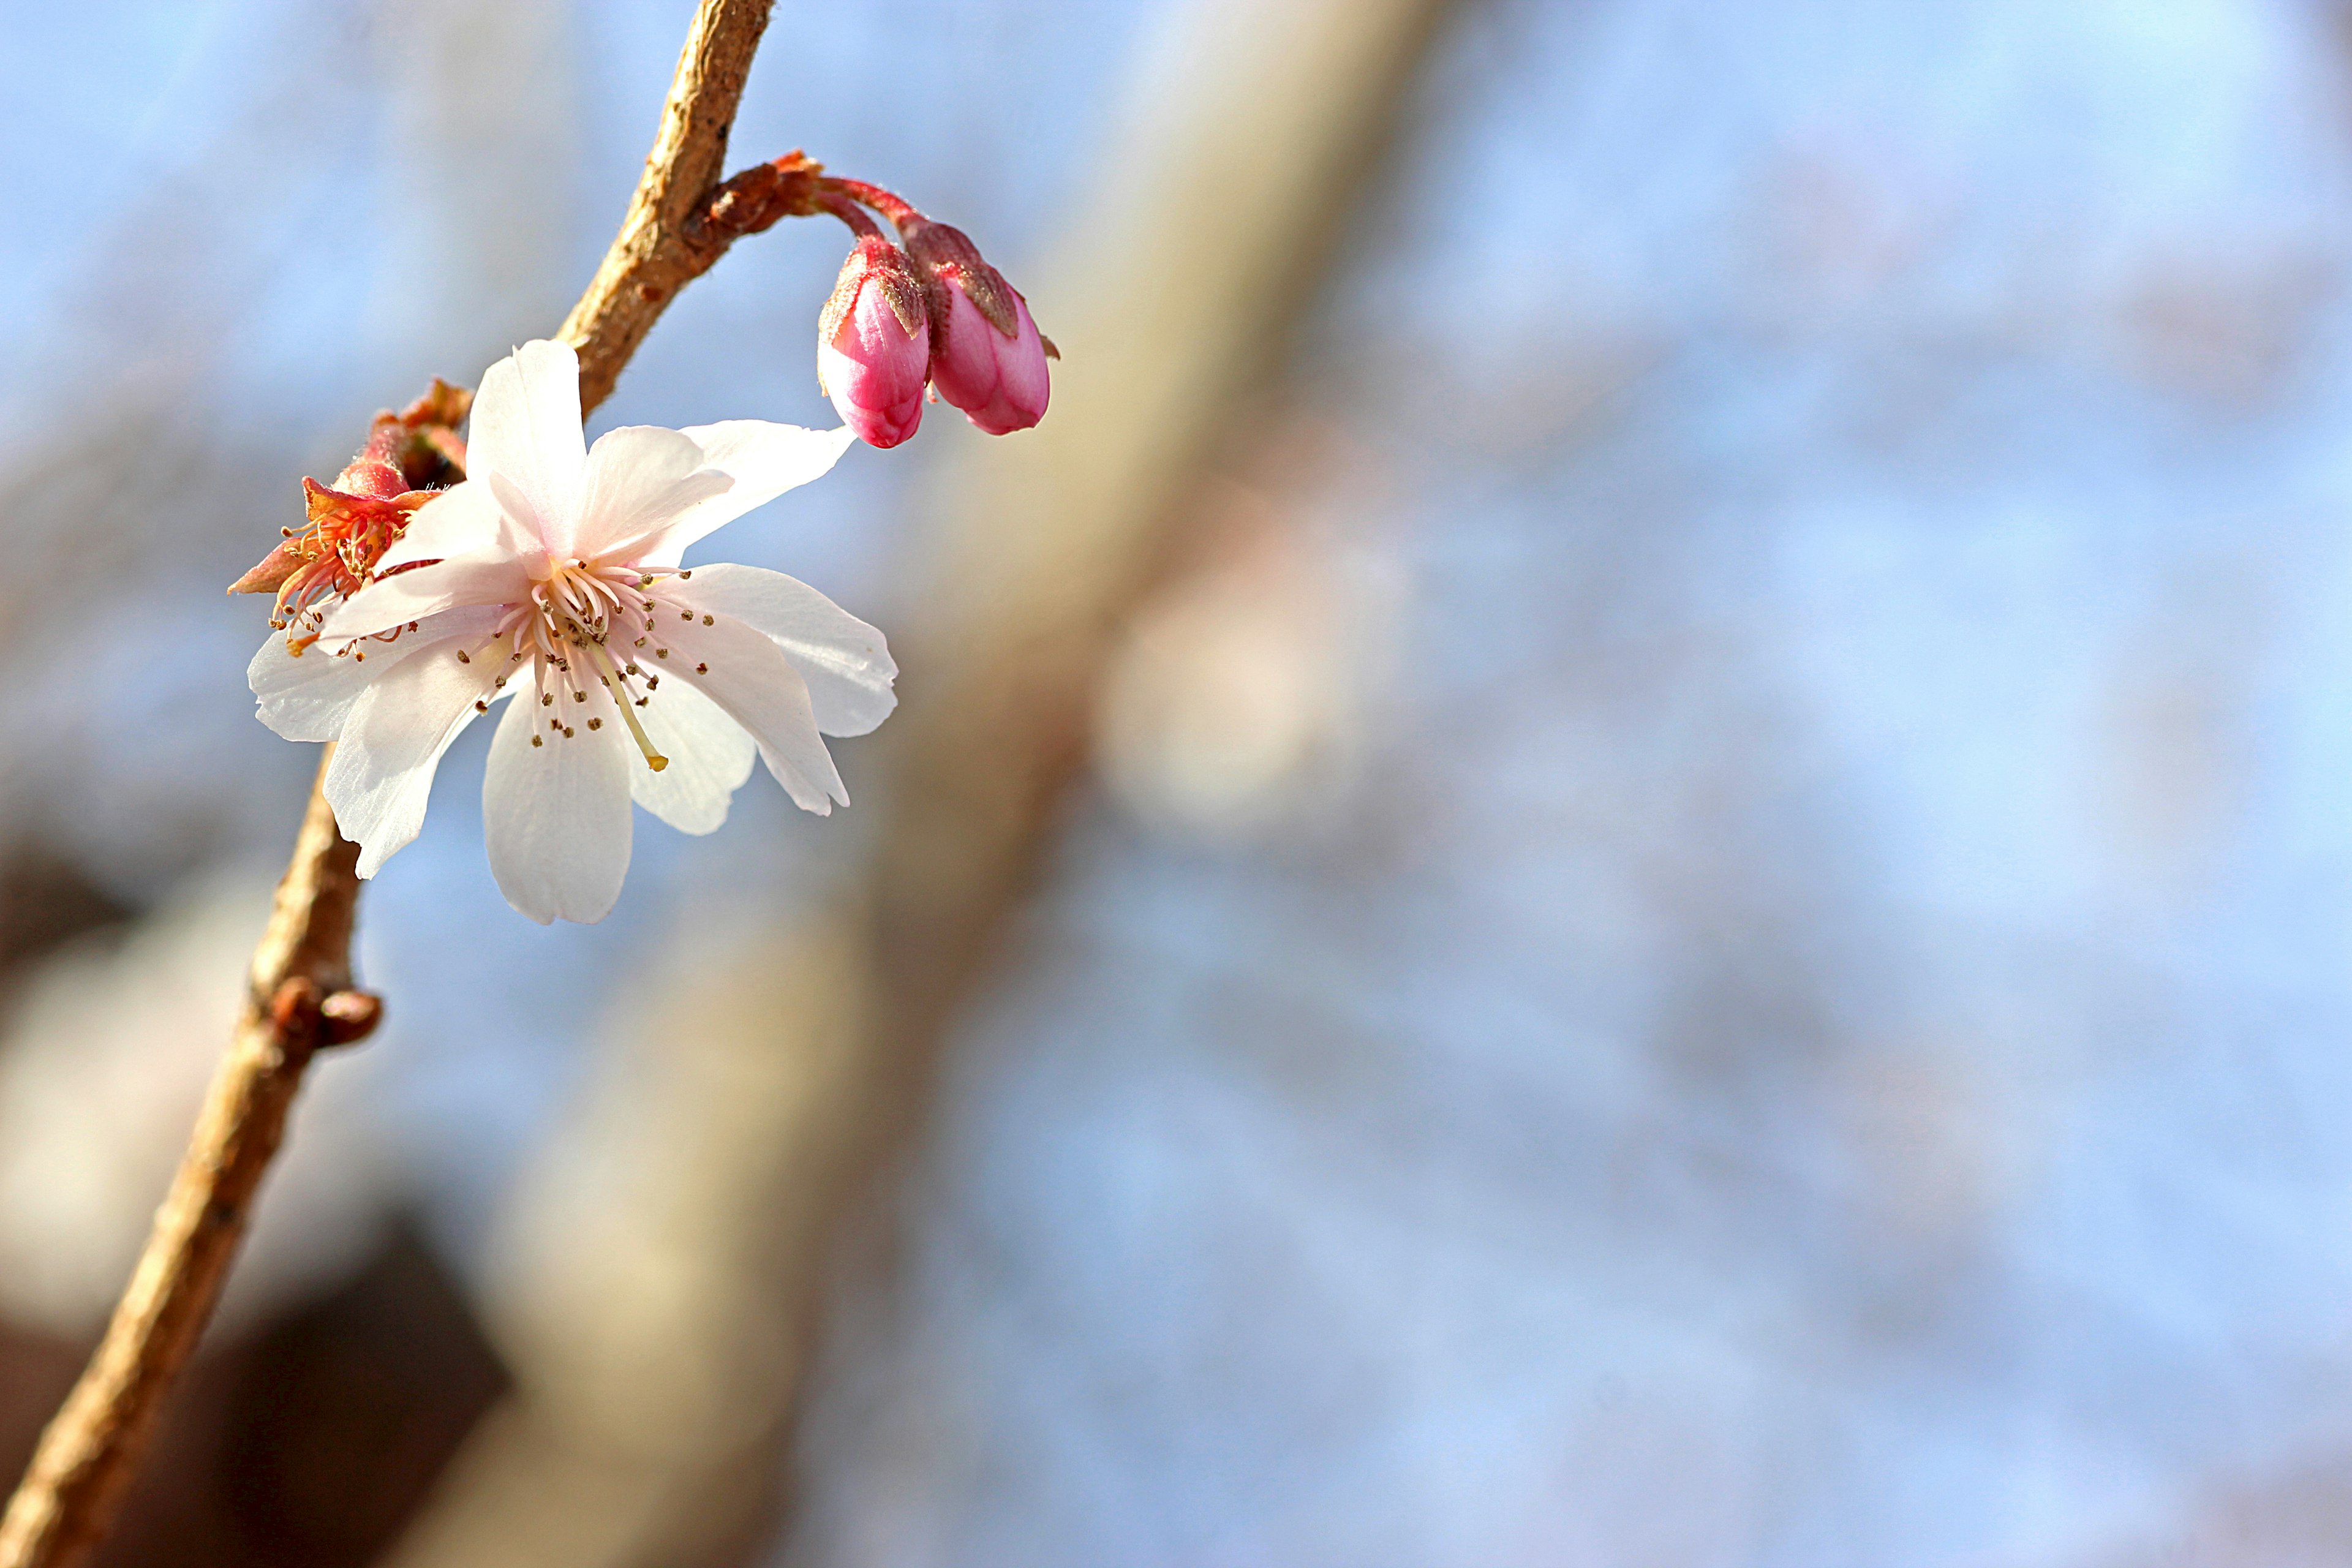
(569, 621)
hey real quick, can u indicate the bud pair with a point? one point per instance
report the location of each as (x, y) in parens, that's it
(944, 316)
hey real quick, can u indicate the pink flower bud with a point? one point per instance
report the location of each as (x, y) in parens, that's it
(873, 346)
(987, 357)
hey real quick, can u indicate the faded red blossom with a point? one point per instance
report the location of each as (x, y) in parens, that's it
(348, 525)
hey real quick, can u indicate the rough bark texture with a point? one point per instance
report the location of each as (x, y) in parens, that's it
(297, 1002)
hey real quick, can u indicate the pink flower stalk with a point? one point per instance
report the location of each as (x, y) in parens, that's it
(873, 346)
(987, 356)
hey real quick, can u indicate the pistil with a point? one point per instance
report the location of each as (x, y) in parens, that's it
(612, 679)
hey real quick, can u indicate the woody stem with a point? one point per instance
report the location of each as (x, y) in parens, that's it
(299, 999)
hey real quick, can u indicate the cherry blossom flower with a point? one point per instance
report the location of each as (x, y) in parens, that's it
(553, 577)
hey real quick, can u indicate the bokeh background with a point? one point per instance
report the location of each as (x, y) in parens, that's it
(1630, 844)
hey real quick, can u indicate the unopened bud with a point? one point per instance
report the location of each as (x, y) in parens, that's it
(371, 478)
(873, 346)
(987, 357)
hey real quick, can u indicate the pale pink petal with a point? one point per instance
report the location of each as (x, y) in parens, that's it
(845, 662)
(710, 755)
(750, 677)
(467, 520)
(526, 428)
(640, 479)
(764, 459)
(422, 590)
(391, 742)
(555, 816)
(308, 697)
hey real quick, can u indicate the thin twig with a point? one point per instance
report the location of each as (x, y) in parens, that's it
(678, 224)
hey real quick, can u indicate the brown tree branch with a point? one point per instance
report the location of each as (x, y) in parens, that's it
(663, 243)
(296, 1003)
(679, 222)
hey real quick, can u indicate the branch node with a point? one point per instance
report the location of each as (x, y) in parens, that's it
(294, 1009)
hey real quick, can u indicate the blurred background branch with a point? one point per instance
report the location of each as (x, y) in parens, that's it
(296, 997)
(1704, 918)
(667, 1261)
(295, 1002)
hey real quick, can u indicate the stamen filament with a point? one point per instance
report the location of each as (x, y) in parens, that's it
(612, 680)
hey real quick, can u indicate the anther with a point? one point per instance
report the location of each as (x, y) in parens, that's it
(461, 654)
(480, 706)
(661, 653)
(684, 575)
(537, 742)
(567, 731)
(546, 698)
(706, 621)
(595, 723)
(702, 669)
(579, 697)
(685, 615)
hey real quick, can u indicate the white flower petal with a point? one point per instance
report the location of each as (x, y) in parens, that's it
(393, 741)
(555, 816)
(764, 460)
(525, 427)
(640, 477)
(308, 697)
(423, 591)
(710, 755)
(845, 662)
(466, 521)
(750, 678)
(775, 660)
